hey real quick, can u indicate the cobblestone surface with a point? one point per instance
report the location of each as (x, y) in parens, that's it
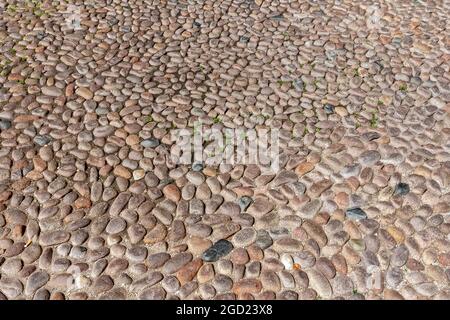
(92, 208)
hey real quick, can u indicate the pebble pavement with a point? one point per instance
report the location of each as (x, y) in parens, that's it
(91, 208)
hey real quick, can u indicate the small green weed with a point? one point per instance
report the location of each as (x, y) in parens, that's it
(374, 121)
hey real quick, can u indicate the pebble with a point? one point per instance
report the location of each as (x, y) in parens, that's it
(319, 283)
(35, 281)
(401, 189)
(369, 158)
(84, 93)
(263, 239)
(310, 209)
(329, 108)
(218, 250)
(356, 214)
(150, 143)
(176, 262)
(259, 207)
(244, 202)
(42, 140)
(116, 225)
(5, 124)
(244, 237)
(53, 237)
(197, 166)
(400, 256)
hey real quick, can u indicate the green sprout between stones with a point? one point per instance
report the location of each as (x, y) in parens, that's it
(34, 3)
(148, 119)
(355, 291)
(315, 83)
(228, 139)
(4, 68)
(374, 120)
(403, 87)
(5, 63)
(217, 119)
(11, 8)
(21, 81)
(355, 72)
(305, 131)
(38, 12)
(4, 72)
(380, 103)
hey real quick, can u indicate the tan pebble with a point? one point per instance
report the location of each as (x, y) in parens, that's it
(84, 93)
(123, 172)
(188, 272)
(39, 164)
(105, 170)
(396, 233)
(422, 171)
(321, 218)
(341, 199)
(339, 263)
(304, 168)
(172, 192)
(205, 273)
(341, 111)
(25, 118)
(132, 140)
(351, 256)
(198, 245)
(157, 234)
(244, 286)
(138, 174)
(21, 184)
(255, 253)
(82, 203)
(351, 228)
(209, 172)
(70, 90)
(353, 182)
(338, 215)
(34, 175)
